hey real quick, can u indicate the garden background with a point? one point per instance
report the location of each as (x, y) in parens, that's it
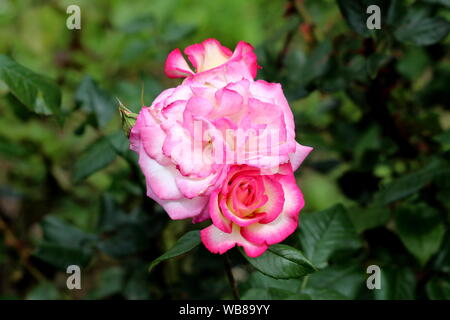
(373, 104)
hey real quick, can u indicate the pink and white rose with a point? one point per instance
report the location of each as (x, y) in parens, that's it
(253, 210)
(183, 139)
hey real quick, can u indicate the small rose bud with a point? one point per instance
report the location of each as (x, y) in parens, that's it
(128, 118)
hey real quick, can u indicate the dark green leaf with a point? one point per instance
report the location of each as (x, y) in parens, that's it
(282, 262)
(97, 156)
(396, 284)
(441, 2)
(421, 230)
(57, 231)
(324, 294)
(96, 101)
(261, 281)
(64, 245)
(143, 23)
(119, 142)
(442, 261)
(111, 283)
(375, 62)
(44, 291)
(410, 183)
(344, 280)
(185, 244)
(443, 138)
(368, 218)
(438, 289)
(137, 286)
(355, 13)
(322, 233)
(128, 239)
(37, 92)
(421, 28)
(316, 63)
(273, 294)
(111, 216)
(62, 256)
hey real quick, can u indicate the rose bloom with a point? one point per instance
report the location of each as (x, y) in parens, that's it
(183, 141)
(252, 210)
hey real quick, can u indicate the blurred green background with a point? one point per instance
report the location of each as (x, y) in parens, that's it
(373, 104)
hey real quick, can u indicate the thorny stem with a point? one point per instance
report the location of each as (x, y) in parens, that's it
(230, 276)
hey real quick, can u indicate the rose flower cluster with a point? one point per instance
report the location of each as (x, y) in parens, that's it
(221, 147)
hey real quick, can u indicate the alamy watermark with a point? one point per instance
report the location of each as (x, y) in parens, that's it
(204, 145)
(74, 280)
(73, 21)
(374, 280)
(374, 20)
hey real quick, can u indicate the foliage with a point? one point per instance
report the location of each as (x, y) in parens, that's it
(373, 103)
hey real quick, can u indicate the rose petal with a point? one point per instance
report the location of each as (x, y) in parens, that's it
(275, 203)
(285, 224)
(160, 178)
(242, 222)
(176, 66)
(218, 241)
(216, 214)
(181, 208)
(207, 55)
(301, 152)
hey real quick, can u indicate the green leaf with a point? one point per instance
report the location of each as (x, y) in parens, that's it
(324, 294)
(443, 138)
(273, 294)
(414, 63)
(438, 289)
(128, 239)
(396, 284)
(62, 256)
(263, 287)
(37, 92)
(282, 262)
(440, 2)
(421, 28)
(375, 62)
(43, 291)
(368, 218)
(354, 12)
(64, 245)
(185, 244)
(111, 283)
(346, 280)
(421, 230)
(442, 261)
(126, 234)
(57, 231)
(97, 156)
(316, 63)
(410, 183)
(119, 142)
(261, 281)
(137, 286)
(323, 233)
(111, 216)
(397, 10)
(143, 23)
(96, 101)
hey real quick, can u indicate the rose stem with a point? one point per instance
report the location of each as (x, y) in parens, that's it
(230, 276)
